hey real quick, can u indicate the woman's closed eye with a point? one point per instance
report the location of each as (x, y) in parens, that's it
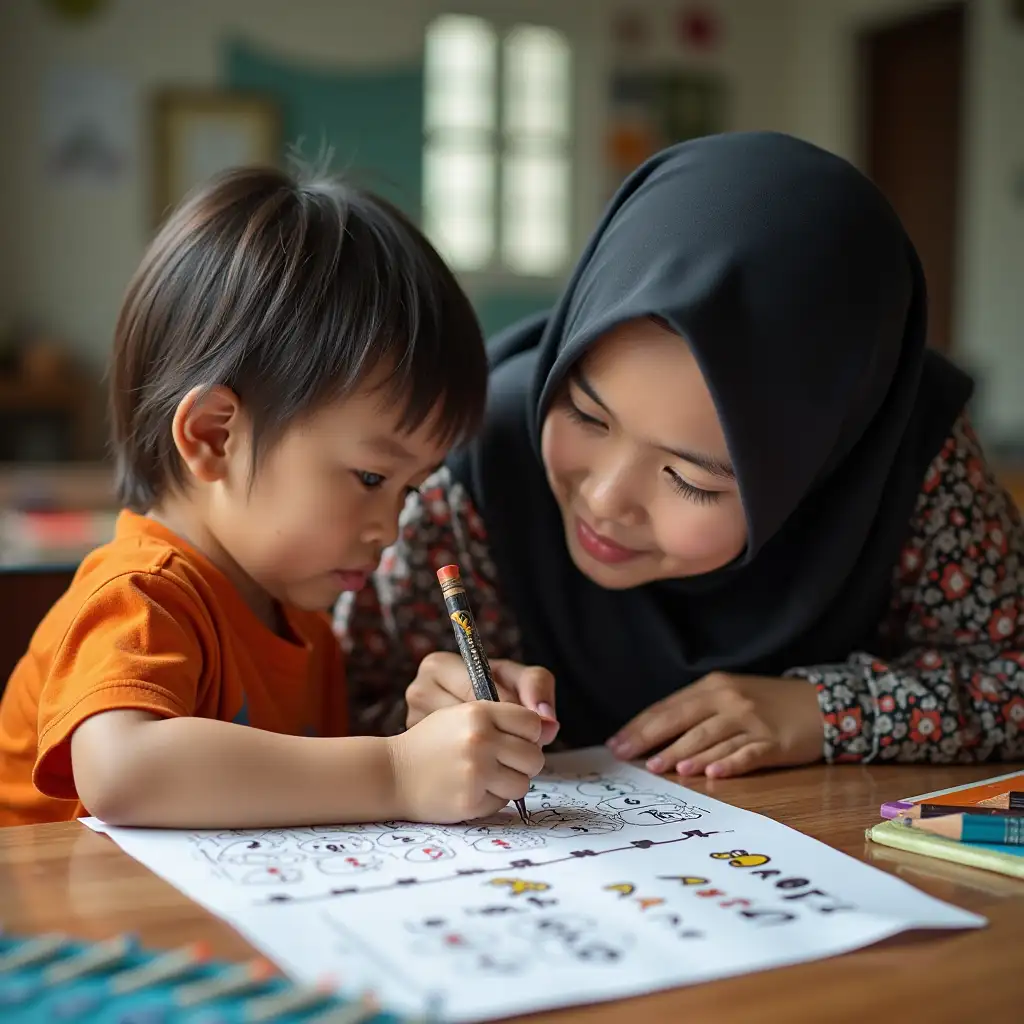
(577, 415)
(697, 495)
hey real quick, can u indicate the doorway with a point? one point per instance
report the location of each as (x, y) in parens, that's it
(913, 73)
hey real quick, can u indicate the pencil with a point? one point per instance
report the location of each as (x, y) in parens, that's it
(168, 967)
(940, 810)
(235, 980)
(1008, 801)
(464, 627)
(91, 960)
(971, 828)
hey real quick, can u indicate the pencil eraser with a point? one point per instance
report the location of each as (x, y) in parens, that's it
(895, 808)
(448, 572)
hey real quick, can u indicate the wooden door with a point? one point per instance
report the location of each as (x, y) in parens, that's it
(913, 79)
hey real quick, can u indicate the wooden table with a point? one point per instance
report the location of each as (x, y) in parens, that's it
(64, 877)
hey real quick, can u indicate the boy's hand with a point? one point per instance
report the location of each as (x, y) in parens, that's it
(726, 725)
(442, 681)
(466, 761)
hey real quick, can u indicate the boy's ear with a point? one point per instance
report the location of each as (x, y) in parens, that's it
(208, 427)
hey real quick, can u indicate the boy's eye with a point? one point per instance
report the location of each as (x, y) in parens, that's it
(371, 481)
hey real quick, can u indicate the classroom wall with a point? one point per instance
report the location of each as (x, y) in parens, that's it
(72, 250)
(990, 313)
(67, 253)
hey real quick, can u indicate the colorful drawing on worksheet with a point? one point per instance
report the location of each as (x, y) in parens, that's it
(621, 882)
(325, 861)
(741, 859)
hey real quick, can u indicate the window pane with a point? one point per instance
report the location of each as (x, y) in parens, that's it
(536, 211)
(460, 60)
(458, 204)
(537, 82)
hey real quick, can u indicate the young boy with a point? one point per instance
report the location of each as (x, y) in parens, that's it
(290, 360)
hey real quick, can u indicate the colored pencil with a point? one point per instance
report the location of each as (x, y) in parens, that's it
(32, 952)
(354, 1013)
(1008, 801)
(972, 828)
(233, 981)
(1012, 801)
(939, 810)
(168, 967)
(291, 1000)
(95, 958)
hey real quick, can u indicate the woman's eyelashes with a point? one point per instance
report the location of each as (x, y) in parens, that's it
(695, 494)
(577, 415)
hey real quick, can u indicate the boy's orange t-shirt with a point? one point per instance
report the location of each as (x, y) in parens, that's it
(150, 623)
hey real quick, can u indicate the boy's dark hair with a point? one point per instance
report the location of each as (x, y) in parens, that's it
(289, 293)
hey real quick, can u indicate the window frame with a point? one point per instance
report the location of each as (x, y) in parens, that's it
(496, 272)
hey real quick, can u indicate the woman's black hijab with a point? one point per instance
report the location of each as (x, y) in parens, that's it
(803, 299)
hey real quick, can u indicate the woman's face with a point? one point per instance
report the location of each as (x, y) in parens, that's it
(637, 461)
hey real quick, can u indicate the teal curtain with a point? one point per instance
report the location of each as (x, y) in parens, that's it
(371, 119)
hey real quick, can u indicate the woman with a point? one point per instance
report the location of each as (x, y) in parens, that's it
(724, 493)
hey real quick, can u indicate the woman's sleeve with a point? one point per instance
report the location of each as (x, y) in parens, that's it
(399, 617)
(956, 692)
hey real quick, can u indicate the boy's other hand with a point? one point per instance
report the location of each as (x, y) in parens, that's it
(442, 681)
(466, 761)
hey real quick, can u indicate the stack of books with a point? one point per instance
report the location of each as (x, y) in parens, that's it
(980, 824)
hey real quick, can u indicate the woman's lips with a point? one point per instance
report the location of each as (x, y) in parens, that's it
(602, 548)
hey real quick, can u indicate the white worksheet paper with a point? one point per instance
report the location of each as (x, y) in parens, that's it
(622, 883)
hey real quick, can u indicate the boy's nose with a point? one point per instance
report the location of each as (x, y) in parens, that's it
(379, 535)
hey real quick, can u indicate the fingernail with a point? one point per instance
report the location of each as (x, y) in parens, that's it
(546, 711)
(713, 771)
(655, 764)
(684, 768)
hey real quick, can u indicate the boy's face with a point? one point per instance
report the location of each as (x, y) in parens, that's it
(324, 500)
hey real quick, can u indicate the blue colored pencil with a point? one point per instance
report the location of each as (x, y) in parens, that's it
(974, 828)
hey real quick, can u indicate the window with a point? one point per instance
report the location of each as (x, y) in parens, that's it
(496, 161)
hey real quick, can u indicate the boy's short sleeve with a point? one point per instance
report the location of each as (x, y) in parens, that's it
(135, 644)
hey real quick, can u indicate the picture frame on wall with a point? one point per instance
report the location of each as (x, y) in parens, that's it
(200, 132)
(649, 110)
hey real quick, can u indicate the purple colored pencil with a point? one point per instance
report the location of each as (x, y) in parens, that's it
(895, 808)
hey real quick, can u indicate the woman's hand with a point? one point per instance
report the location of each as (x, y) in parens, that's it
(442, 680)
(727, 725)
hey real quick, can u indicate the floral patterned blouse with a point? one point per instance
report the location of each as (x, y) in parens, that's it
(955, 693)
